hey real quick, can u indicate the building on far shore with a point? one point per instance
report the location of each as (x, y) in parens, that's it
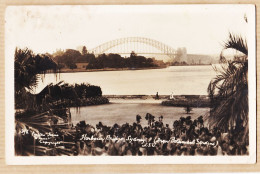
(81, 65)
(181, 55)
(199, 59)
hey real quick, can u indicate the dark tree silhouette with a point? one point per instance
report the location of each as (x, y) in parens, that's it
(188, 109)
(28, 68)
(84, 51)
(229, 90)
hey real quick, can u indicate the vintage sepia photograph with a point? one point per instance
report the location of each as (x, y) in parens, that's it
(90, 84)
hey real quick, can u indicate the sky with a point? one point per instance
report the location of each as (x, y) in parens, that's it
(202, 29)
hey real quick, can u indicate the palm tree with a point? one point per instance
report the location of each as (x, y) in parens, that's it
(41, 112)
(28, 70)
(229, 90)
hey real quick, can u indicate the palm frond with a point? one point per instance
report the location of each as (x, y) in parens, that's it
(237, 43)
(228, 91)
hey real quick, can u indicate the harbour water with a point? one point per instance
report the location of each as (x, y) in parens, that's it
(179, 80)
(188, 80)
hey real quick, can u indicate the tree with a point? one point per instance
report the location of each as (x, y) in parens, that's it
(28, 68)
(60, 66)
(117, 61)
(228, 92)
(58, 52)
(188, 109)
(69, 57)
(133, 54)
(84, 51)
(72, 65)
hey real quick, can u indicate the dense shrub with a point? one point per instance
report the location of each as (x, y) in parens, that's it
(116, 61)
(86, 90)
(185, 103)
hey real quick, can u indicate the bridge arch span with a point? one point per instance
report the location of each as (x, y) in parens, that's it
(165, 49)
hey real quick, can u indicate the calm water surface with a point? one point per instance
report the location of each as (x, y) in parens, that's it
(176, 79)
(121, 113)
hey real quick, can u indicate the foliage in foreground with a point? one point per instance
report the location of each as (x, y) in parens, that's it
(36, 114)
(28, 70)
(229, 90)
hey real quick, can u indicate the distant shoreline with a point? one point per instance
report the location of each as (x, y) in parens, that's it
(105, 69)
(179, 100)
(67, 70)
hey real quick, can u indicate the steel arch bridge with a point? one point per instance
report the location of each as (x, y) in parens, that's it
(165, 49)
